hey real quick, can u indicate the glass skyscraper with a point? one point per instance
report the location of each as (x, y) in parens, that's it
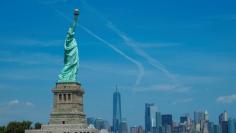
(167, 123)
(124, 126)
(158, 122)
(116, 112)
(150, 117)
(136, 129)
(232, 125)
(199, 116)
(166, 119)
(223, 122)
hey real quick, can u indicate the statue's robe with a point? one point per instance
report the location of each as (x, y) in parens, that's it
(71, 57)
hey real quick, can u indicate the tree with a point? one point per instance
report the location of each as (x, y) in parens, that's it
(18, 127)
(26, 124)
(2, 129)
(37, 125)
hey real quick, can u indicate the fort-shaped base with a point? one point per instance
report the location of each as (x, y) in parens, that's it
(64, 128)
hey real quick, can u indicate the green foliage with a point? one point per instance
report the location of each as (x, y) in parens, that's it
(2, 129)
(17, 127)
(37, 125)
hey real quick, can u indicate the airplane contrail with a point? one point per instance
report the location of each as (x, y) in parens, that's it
(155, 63)
(137, 63)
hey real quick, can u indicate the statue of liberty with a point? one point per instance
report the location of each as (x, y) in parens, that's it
(71, 57)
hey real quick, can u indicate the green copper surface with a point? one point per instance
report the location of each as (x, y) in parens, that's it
(71, 57)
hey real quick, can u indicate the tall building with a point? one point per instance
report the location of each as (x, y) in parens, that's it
(116, 112)
(223, 122)
(199, 120)
(199, 116)
(216, 128)
(150, 117)
(205, 128)
(183, 119)
(158, 122)
(223, 117)
(136, 129)
(179, 129)
(100, 124)
(167, 129)
(185, 123)
(224, 127)
(124, 126)
(133, 130)
(166, 123)
(206, 116)
(232, 125)
(166, 119)
(211, 127)
(91, 120)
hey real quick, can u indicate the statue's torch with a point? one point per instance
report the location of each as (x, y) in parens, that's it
(76, 13)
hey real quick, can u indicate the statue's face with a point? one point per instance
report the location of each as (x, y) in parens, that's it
(70, 30)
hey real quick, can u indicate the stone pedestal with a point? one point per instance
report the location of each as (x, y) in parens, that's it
(67, 115)
(67, 104)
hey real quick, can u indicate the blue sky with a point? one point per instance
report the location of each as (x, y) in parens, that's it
(179, 55)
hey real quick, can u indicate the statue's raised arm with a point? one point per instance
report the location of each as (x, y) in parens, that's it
(71, 57)
(74, 23)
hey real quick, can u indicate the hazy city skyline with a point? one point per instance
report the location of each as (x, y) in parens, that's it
(179, 55)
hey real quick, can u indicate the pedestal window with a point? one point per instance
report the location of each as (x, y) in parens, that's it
(64, 97)
(69, 97)
(60, 97)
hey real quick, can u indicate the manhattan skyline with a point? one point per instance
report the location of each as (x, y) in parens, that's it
(178, 55)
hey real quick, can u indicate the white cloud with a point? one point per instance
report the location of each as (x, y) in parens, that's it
(226, 99)
(15, 110)
(17, 102)
(13, 102)
(182, 101)
(29, 104)
(165, 88)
